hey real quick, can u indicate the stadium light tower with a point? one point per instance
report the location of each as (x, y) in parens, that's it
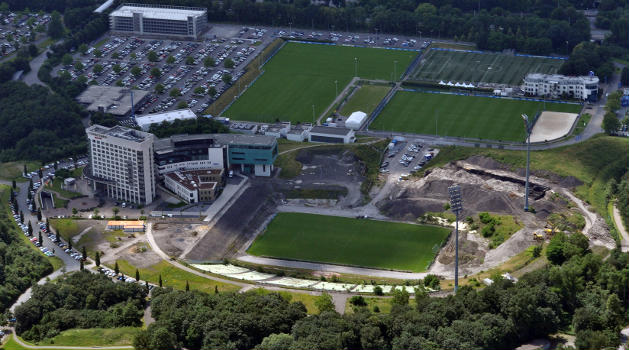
(528, 127)
(456, 206)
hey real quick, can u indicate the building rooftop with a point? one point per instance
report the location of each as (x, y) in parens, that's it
(156, 118)
(125, 223)
(588, 79)
(112, 99)
(120, 132)
(330, 130)
(298, 129)
(166, 145)
(192, 180)
(178, 13)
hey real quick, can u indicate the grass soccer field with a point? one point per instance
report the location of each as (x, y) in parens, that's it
(347, 241)
(366, 99)
(461, 116)
(302, 75)
(488, 67)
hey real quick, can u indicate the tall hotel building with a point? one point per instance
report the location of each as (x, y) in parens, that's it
(159, 20)
(121, 163)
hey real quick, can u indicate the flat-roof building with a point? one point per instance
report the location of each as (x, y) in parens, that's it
(145, 121)
(121, 163)
(110, 99)
(159, 20)
(331, 134)
(556, 85)
(251, 154)
(126, 226)
(196, 185)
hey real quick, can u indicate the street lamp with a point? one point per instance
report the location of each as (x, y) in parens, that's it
(395, 70)
(456, 206)
(355, 66)
(528, 127)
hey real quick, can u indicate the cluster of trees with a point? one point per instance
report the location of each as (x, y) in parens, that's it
(588, 56)
(620, 190)
(614, 15)
(79, 300)
(200, 125)
(611, 123)
(576, 291)
(20, 266)
(38, 124)
(538, 27)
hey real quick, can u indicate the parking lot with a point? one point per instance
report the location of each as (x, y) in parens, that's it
(178, 74)
(406, 158)
(20, 29)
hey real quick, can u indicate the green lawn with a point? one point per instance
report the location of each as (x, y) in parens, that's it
(487, 67)
(122, 336)
(56, 187)
(366, 99)
(67, 228)
(174, 277)
(460, 116)
(302, 75)
(13, 170)
(582, 123)
(349, 241)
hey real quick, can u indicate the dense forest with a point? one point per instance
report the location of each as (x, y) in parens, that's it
(20, 266)
(38, 124)
(576, 291)
(200, 125)
(80, 300)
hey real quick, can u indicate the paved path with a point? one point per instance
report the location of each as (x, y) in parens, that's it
(31, 77)
(77, 238)
(624, 241)
(338, 99)
(27, 294)
(339, 302)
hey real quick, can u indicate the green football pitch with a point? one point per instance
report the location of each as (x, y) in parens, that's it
(488, 67)
(461, 116)
(348, 241)
(301, 76)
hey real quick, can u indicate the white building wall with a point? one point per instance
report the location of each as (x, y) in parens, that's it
(187, 195)
(263, 170)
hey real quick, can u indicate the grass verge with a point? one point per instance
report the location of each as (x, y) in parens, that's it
(174, 277)
(122, 336)
(56, 185)
(582, 123)
(13, 170)
(366, 99)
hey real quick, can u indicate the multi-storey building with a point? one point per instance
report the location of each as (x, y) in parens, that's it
(121, 163)
(196, 185)
(159, 20)
(555, 86)
(250, 154)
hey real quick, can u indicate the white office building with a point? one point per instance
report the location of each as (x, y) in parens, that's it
(121, 163)
(159, 20)
(556, 85)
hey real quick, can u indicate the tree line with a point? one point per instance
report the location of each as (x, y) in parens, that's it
(199, 125)
(79, 300)
(20, 266)
(577, 290)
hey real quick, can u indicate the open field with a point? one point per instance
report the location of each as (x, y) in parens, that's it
(340, 240)
(366, 99)
(461, 116)
(302, 75)
(13, 170)
(486, 67)
(174, 277)
(122, 336)
(594, 162)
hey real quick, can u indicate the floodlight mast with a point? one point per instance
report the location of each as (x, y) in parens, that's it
(527, 126)
(456, 206)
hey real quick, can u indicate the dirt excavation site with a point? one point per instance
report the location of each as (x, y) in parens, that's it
(486, 186)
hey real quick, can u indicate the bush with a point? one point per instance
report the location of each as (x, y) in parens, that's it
(378, 290)
(432, 281)
(358, 300)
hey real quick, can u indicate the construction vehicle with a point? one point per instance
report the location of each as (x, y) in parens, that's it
(538, 236)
